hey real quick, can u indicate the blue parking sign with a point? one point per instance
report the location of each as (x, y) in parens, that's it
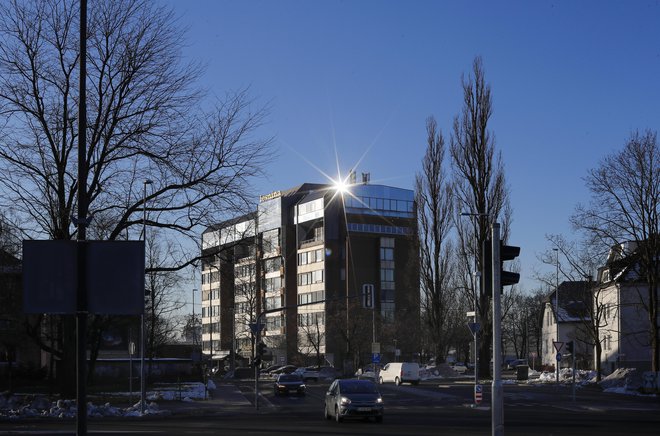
(375, 357)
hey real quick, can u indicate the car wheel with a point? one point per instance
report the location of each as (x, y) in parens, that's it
(380, 380)
(337, 416)
(397, 381)
(379, 418)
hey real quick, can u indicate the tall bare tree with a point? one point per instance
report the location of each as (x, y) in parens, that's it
(144, 122)
(435, 214)
(625, 207)
(479, 186)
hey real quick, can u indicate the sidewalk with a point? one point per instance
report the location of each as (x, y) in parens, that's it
(225, 398)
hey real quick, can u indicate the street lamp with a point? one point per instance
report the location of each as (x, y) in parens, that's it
(476, 285)
(194, 323)
(143, 389)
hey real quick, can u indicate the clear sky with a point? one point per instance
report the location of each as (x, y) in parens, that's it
(356, 80)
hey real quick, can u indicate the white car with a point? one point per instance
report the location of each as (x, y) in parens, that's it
(400, 372)
(459, 367)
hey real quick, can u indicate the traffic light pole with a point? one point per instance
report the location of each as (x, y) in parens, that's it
(497, 391)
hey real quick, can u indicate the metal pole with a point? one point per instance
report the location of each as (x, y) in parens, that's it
(143, 387)
(498, 406)
(476, 332)
(81, 291)
(556, 250)
(233, 337)
(193, 318)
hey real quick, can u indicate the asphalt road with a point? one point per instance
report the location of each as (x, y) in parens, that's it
(432, 408)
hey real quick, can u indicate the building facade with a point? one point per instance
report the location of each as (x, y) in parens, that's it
(568, 321)
(299, 265)
(623, 300)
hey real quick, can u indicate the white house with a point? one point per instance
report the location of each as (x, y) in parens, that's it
(621, 296)
(567, 322)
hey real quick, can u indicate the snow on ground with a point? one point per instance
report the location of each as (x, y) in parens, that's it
(624, 381)
(29, 405)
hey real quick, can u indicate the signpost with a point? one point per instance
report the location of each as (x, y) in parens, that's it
(478, 392)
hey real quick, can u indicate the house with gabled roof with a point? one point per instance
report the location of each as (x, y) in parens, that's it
(623, 295)
(564, 320)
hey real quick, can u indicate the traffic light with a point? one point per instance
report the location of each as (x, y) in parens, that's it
(569, 347)
(508, 252)
(261, 349)
(507, 278)
(368, 296)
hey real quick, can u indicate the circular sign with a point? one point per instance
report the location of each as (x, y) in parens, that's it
(558, 357)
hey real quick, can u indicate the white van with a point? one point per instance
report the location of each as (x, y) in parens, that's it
(399, 372)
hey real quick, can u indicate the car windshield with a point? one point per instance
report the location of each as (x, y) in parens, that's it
(358, 387)
(289, 378)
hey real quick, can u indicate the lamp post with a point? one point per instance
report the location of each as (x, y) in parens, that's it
(476, 284)
(143, 389)
(194, 323)
(556, 250)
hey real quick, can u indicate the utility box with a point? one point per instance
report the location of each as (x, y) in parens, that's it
(522, 372)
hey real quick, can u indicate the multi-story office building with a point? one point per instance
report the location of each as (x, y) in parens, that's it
(300, 263)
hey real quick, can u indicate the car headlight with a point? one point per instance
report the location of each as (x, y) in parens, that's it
(344, 401)
(379, 400)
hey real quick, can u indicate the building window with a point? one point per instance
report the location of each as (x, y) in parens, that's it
(311, 297)
(386, 275)
(387, 312)
(308, 319)
(310, 277)
(310, 257)
(274, 303)
(272, 265)
(272, 284)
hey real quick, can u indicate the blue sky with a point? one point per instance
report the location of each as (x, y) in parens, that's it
(357, 79)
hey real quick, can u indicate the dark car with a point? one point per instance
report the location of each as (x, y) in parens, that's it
(289, 383)
(351, 398)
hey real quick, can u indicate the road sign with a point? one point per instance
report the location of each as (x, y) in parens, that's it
(375, 347)
(558, 345)
(368, 296)
(375, 357)
(478, 394)
(474, 327)
(254, 327)
(558, 357)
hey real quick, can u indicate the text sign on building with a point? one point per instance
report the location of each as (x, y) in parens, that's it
(114, 277)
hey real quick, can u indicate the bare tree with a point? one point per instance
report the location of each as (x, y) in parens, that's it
(578, 261)
(479, 186)
(434, 211)
(144, 122)
(164, 299)
(311, 338)
(625, 190)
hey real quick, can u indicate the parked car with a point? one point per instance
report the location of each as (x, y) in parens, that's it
(288, 383)
(286, 369)
(400, 372)
(315, 373)
(515, 363)
(307, 373)
(460, 367)
(351, 398)
(370, 372)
